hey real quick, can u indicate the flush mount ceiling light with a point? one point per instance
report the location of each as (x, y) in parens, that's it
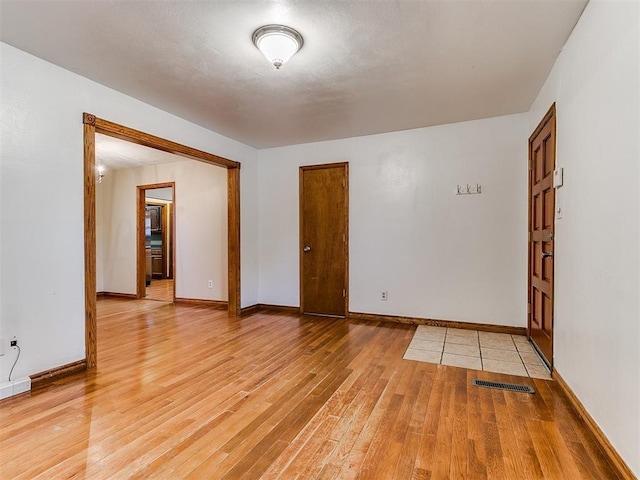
(278, 43)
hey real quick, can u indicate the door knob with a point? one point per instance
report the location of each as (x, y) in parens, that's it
(306, 249)
(547, 254)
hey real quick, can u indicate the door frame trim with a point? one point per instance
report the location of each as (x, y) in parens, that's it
(551, 114)
(302, 169)
(141, 260)
(93, 125)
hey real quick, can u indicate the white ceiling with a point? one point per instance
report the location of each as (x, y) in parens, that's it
(366, 66)
(115, 154)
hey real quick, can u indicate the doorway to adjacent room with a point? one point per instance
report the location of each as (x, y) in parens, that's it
(155, 271)
(93, 125)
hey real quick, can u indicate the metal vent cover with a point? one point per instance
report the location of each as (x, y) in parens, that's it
(512, 387)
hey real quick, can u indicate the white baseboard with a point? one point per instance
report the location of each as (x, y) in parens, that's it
(15, 387)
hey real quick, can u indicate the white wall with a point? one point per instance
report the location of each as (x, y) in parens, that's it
(595, 84)
(165, 193)
(439, 255)
(201, 227)
(41, 246)
(249, 248)
(100, 229)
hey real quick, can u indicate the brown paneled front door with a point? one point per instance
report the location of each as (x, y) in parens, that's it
(542, 163)
(323, 239)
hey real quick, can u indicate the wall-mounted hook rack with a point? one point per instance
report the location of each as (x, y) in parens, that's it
(469, 190)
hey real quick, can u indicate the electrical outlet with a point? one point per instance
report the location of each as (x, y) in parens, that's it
(13, 342)
(384, 295)
(210, 284)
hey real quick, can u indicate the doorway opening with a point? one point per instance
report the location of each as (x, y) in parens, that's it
(93, 125)
(155, 208)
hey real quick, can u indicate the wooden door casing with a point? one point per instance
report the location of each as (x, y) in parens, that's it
(324, 239)
(142, 207)
(92, 125)
(542, 163)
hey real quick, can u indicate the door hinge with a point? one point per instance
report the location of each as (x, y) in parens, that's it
(344, 183)
(530, 236)
(530, 164)
(344, 238)
(344, 292)
(528, 309)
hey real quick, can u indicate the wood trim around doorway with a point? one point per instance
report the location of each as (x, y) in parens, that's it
(93, 125)
(141, 263)
(233, 249)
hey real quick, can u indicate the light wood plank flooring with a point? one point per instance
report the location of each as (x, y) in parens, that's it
(184, 392)
(160, 290)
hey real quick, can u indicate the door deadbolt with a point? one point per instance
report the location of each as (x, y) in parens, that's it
(306, 249)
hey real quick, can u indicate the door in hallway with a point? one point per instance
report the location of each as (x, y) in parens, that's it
(324, 239)
(542, 163)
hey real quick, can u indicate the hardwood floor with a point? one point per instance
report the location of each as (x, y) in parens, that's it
(160, 290)
(183, 391)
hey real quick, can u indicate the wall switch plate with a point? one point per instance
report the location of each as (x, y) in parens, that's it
(558, 175)
(210, 284)
(558, 212)
(384, 295)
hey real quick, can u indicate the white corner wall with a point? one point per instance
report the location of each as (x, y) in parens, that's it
(41, 195)
(100, 231)
(439, 255)
(201, 227)
(595, 84)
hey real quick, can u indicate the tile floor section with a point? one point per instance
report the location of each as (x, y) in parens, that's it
(491, 352)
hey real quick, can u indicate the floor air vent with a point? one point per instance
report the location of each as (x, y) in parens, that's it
(512, 387)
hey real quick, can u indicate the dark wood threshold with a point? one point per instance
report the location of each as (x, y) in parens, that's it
(42, 379)
(608, 450)
(115, 294)
(438, 323)
(217, 304)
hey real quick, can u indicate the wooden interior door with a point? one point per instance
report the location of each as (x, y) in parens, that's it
(324, 239)
(542, 163)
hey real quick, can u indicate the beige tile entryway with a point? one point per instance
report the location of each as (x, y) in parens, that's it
(491, 352)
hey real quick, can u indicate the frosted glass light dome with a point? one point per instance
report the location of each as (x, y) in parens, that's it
(278, 43)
